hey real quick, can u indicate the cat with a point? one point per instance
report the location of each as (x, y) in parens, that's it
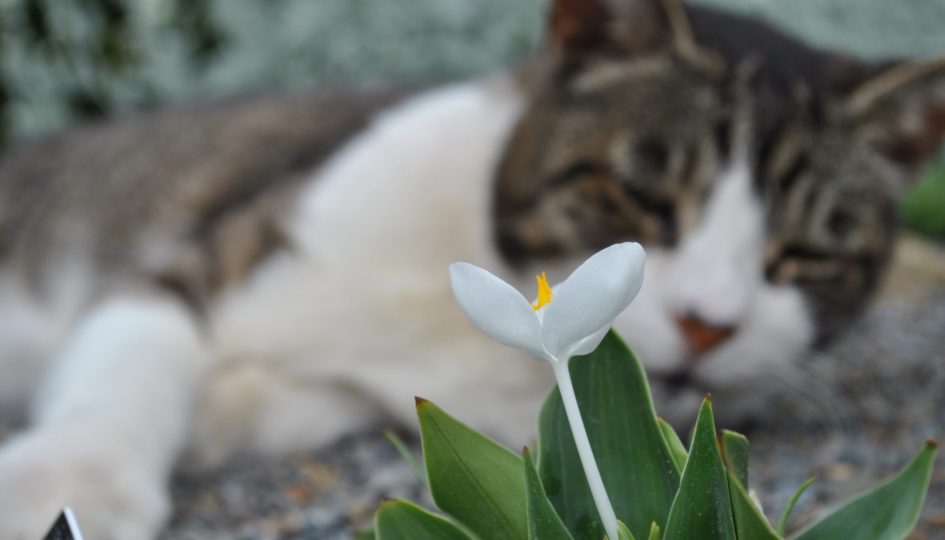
(265, 274)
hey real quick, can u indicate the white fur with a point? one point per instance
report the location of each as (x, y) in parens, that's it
(717, 274)
(361, 318)
(24, 349)
(31, 332)
(717, 270)
(109, 423)
(336, 334)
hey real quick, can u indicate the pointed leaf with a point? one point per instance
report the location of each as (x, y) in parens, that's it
(888, 511)
(471, 477)
(654, 532)
(702, 508)
(623, 533)
(677, 449)
(782, 524)
(735, 455)
(405, 454)
(543, 521)
(401, 520)
(635, 462)
(750, 522)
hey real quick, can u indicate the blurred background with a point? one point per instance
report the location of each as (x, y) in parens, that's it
(68, 61)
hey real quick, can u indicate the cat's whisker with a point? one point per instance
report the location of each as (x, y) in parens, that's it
(811, 400)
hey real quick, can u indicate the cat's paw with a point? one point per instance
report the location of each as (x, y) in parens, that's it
(112, 495)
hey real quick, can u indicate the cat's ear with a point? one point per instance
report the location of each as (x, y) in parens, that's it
(905, 104)
(627, 27)
(577, 26)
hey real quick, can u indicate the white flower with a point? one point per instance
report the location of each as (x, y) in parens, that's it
(569, 320)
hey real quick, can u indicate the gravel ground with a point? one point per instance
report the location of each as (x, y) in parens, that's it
(855, 414)
(870, 422)
(327, 494)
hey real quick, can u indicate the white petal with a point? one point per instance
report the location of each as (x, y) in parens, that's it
(496, 308)
(593, 296)
(586, 345)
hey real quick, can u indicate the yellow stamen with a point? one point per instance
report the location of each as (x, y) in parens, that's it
(544, 292)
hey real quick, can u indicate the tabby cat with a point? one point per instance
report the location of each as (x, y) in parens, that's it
(265, 274)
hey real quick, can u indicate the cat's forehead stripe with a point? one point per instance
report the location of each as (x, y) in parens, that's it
(614, 73)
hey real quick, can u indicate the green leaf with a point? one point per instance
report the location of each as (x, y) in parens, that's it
(735, 455)
(921, 207)
(635, 461)
(471, 477)
(405, 454)
(677, 449)
(702, 508)
(888, 511)
(543, 521)
(623, 533)
(401, 520)
(654, 532)
(750, 523)
(365, 535)
(782, 524)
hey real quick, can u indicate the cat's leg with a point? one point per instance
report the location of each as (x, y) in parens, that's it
(263, 409)
(110, 420)
(254, 407)
(26, 346)
(493, 389)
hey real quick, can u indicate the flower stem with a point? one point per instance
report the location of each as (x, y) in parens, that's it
(594, 480)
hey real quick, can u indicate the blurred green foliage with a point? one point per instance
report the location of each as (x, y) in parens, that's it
(64, 61)
(68, 60)
(923, 208)
(72, 60)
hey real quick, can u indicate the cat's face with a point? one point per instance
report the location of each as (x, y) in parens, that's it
(762, 181)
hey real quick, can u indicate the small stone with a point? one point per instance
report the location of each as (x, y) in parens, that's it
(298, 493)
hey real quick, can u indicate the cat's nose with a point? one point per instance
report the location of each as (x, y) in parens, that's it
(701, 336)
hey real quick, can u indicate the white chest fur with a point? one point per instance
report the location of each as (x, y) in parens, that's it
(363, 307)
(379, 225)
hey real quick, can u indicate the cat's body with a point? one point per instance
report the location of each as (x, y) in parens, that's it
(266, 275)
(330, 336)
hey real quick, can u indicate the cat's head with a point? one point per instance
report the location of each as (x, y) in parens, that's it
(761, 175)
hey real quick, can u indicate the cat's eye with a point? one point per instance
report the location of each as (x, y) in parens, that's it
(799, 264)
(722, 134)
(653, 153)
(661, 214)
(803, 253)
(793, 263)
(576, 171)
(840, 223)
